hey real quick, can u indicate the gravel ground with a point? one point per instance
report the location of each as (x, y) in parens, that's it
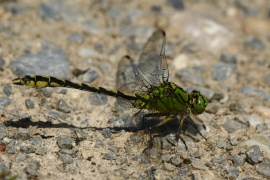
(218, 47)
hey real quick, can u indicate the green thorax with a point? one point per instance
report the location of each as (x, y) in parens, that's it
(168, 97)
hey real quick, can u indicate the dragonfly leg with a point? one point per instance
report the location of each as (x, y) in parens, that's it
(196, 127)
(180, 131)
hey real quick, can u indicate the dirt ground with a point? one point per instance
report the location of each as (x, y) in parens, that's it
(220, 48)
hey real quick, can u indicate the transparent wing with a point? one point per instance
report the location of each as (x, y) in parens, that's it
(152, 64)
(129, 80)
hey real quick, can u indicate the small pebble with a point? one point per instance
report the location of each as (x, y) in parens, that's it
(198, 165)
(22, 134)
(63, 106)
(32, 167)
(169, 167)
(189, 75)
(29, 104)
(3, 131)
(106, 132)
(263, 169)
(64, 142)
(20, 157)
(233, 172)
(63, 167)
(228, 58)
(177, 4)
(221, 71)
(99, 143)
(255, 43)
(4, 101)
(65, 158)
(254, 155)
(41, 150)
(27, 149)
(176, 160)
(7, 89)
(80, 134)
(152, 153)
(97, 99)
(89, 76)
(36, 140)
(76, 38)
(109, 156)
(238, 160)
(142, 159)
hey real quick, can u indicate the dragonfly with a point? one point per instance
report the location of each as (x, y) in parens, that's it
(144, 86)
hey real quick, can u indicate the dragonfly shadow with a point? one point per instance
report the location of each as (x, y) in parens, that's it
(26, 123)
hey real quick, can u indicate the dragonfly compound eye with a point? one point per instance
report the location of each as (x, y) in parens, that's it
(199, 102)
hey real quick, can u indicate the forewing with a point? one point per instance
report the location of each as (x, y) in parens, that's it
(152, 63)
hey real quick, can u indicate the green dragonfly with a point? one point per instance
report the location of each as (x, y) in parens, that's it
(144, 86)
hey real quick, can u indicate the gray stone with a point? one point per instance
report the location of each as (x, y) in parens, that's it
(198, 164)
(218, 161)
(25, 117)
(238, 160)
(176, 160)
(267, 80)
(114, 148)
(169, 167)
(4, 101)
(254, 43)
(64, 142)
(263, 169)
(142, 159)
(3, 131)
(47, 92)
(254, 155)
(177, 4)
(189, 75)
(106, 132)
(99, 143)
(29, 104)
(232, 125)
(135, 138)
(20, 157)
(63, 106)
(253, 91)
(221, 143)
(81, 135)
(2, 62)
(221, 71)
(76, 38)
(152, 153)
(41, 150)
(57, 115)
(22, 134)
(109, 156)
(11, 150)
(3, 167)
(32, 167)
(166, 157)
(63, 167)
(27, 149)
(97, 99)
(38, 63)
(89, 76)
(65, 158)
(228, 58)
(183, 171)
(7, 89)
(36, 140)
(233, 172)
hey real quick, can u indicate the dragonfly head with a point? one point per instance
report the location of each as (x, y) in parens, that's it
(197, 102)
